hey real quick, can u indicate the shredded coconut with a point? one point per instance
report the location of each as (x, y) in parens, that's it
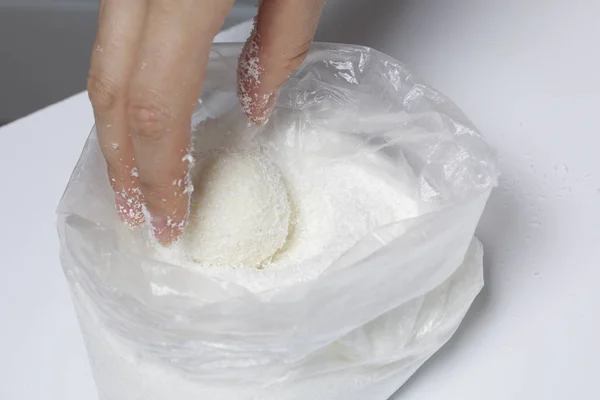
(129, 204)
(188, 158)
(239, 215)
(333, 205)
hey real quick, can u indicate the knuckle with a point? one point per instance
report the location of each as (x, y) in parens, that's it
(164, 184)
(288, 62)
(103, 92)
(148, 120)
(166, 6)
(158, 192)
(295, 58)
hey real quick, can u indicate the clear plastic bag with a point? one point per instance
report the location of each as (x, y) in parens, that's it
(361, 328)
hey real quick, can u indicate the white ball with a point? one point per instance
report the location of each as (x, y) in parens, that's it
(240, 211)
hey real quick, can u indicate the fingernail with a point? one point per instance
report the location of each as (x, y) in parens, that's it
(159, 228)
(166, 229)
(129, 207)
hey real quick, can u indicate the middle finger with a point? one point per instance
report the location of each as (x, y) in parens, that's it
(174, 50)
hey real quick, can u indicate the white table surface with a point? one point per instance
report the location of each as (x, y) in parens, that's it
(528, 75)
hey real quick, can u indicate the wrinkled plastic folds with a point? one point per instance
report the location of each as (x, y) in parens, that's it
(360, 329)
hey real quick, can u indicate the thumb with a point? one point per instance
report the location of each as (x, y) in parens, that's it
(282, 35)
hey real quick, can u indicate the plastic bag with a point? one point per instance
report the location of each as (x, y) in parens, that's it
(362, 327)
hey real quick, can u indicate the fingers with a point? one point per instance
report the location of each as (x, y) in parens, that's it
(171, 61)
(120, 27)
(282, 35)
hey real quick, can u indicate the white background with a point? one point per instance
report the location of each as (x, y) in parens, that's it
(526, 72)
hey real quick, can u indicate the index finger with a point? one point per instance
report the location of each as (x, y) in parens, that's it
(162, 95)
(119, 30)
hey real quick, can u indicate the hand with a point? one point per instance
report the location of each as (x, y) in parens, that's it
(146, 75)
